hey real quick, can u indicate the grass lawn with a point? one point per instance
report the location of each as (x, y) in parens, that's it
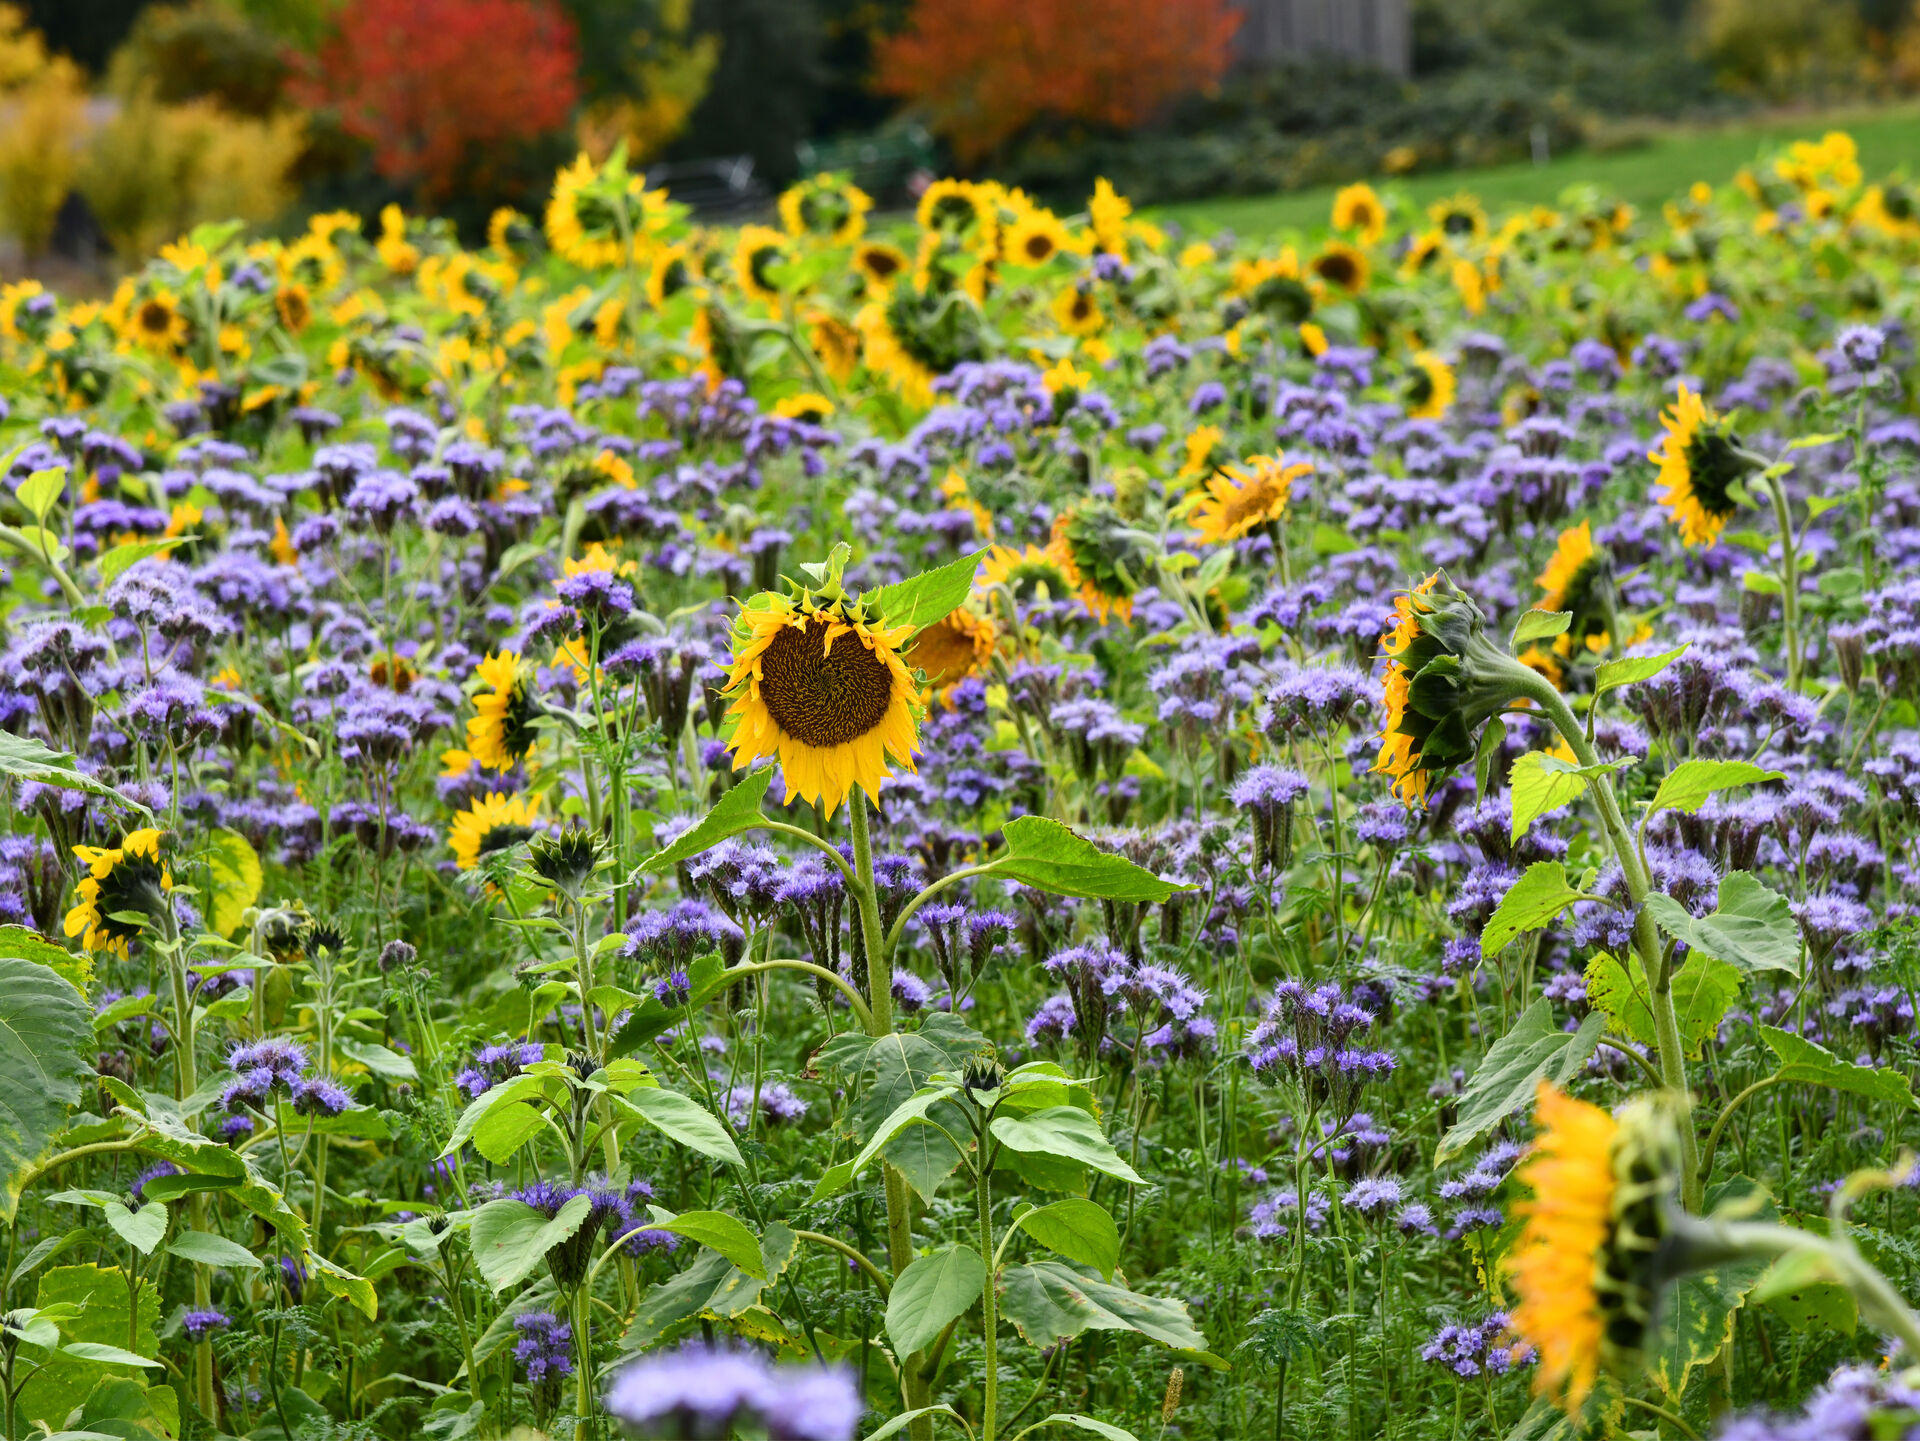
(1644, 176)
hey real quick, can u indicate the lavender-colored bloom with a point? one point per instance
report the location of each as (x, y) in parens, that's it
(543, 1347)
(201, 1324)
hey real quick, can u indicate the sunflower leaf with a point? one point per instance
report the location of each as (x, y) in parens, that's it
(738, 810)
(1054, 858)
(1632, 670)
(1539, 625)
(1542, 782)
(922, 600)
(27, 759)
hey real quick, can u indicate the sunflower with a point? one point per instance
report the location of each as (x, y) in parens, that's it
(758, 250)
(1573, 581)
(583, 221)
(879, 263)
(492, 823)
(501, 732)
(835, 342)
(817, 684)
(1101, 560)
(1107, 213)
(1588, 1265)
(1077, 312)
(827, 206)
(962, 209)
(887, 346)
(1430, 388)
(809, 407)
(670, 271)
(156, 322)
(131, 877)
(1459, 217)
(1356, 207)
(508, 231)
(1035, 238)
(1700, 460)
(1272, 285)
(1343, 267)
(1241, 498)
(294, 307)
(1034, 573)
(953, 648)
(1203, 445)
(1422, 251)
(1399, 754)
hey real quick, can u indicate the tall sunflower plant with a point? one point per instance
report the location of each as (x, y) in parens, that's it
(1618, 1213)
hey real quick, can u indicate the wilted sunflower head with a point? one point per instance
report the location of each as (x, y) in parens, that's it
(1594, 1252)
(817, 681)
(490, 825)
(501, 732)
(1701, 465)
(130, 879)
(1102, 557)
(1444, 677)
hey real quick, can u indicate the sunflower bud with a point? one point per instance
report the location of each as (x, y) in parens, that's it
(565, 859)
(1445, 676)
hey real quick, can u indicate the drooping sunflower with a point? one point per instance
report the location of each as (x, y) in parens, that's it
(879, 264)
(492, 823)
(1103, 562)
(822, 687)
(130, 877)
(1241, 498)
(293, 306)
(1430, 388)
(509, 232)
(908, 339)
(1573, 580)
(1077, 312)
(1343, 267)
(1035, 238)
(1700, 460)
(953, 648)
(501, 732)
(1399, 742)
(670, 272)
(1272, 286)
(755, 254)
(583, 217)
(1356, 207)
(1590, 1262)
(835, 342)
(828, 207)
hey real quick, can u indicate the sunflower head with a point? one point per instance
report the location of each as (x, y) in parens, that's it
(817, 681)
(1357, 207)
(1241, 498)
(1077, 312)
(1576, 580)
(501, 732)
(1035, 238)
(1430, 387)
(490, 825)
(129, 878)
(1444, 676)
(879, 263)
(1030, 574)
(1594, 1250)
(827, 207)
(758, 253)
(1343, 267)
(953, 648)
(1702, 464)
(565, 859)
(1103, 559)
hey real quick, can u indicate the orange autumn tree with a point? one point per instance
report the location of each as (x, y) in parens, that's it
(983, 70)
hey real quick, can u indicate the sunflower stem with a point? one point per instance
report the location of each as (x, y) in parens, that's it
(880, 1023)
(1789, 581)
(1646, 940)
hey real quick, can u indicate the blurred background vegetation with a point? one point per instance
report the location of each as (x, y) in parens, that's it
(122, 122)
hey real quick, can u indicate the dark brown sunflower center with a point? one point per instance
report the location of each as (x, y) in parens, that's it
(882, 264)
(1337, 269)
(1039, 246)
(820, 697)
(155, 317)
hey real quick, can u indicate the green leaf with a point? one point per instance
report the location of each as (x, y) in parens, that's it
(207, 1249)
(1533, 902)
(1804, 1290)
(1077, 1228)
(96, 1299)
(1539, 625)
(505, 1129)
(123, 557)
(1632, 669)
(42, 543)
(522, 1087)
(920, 600)
(1513, 1069)
(1703, 989)
(236, 879)
(1493, 737)
(28, 945)
(932, 1291)
(707, 977)
(1687, 786)
(26, 759)
(42, 489)
(1088, 1423)
(903, 1063)
(1056, 859)
(1051, 1301)
(718, 1231)
(106, 1355)
(142, 1229)
(910, 1112)
(387, 1064)
(1332, 540)
(738, 810)
(682, 1120)
(337, 1280)
(1698, 1319)
(1753, 928)
(510, 1238)
(1542, 782)
(46, 1038)
(907, 1418)
(1067, 1132)
(1802, 1060)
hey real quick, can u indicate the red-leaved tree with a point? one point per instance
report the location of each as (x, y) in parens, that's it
(985, 69)
(431, 84)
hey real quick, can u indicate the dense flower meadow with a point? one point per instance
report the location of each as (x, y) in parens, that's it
(999, 822)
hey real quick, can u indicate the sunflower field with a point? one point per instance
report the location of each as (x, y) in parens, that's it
(975, 824)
